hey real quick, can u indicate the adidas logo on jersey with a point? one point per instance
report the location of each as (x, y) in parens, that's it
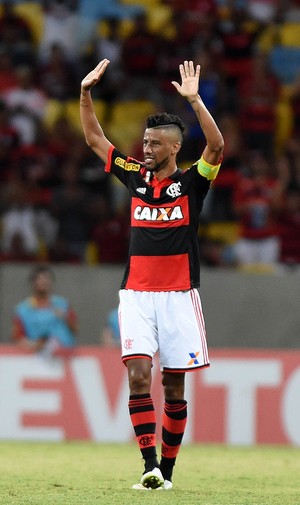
(158, 213)
(141, 190)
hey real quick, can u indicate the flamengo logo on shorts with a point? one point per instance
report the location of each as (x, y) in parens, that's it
(158, 213)
(128, 343)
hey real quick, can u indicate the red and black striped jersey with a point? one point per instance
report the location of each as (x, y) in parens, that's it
(163, 251)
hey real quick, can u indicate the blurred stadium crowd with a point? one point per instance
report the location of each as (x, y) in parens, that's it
(56, 204)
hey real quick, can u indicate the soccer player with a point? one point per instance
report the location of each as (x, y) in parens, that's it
(160, 308)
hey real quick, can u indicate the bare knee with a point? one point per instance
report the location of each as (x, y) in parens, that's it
(173, 384)
(139, 376)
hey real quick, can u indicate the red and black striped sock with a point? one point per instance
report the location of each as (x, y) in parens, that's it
(174, 422)
(142, 414)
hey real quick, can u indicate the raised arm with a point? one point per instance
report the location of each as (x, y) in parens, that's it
(93, 132)
(189, 89)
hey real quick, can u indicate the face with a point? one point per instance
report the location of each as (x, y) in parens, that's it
(42, 283)
(160, 146)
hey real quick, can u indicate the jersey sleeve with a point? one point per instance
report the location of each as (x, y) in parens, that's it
(121, 166)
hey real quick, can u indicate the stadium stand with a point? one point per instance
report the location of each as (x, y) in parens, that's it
(230, 34)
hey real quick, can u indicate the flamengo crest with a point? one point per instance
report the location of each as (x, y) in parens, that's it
(174, 189)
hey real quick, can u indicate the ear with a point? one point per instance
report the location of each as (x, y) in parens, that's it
(176, 147)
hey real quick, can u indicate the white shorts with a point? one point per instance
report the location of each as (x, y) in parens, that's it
(168, 322)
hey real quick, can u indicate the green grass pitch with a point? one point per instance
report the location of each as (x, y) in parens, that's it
(75, 473)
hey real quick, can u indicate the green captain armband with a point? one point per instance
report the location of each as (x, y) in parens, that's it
(207, 170)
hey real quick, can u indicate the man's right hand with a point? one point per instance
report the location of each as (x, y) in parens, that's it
(95, 75)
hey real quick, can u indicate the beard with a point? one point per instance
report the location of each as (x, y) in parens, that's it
(158, 166)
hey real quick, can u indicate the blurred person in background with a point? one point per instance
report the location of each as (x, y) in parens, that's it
(289, 227)
(71, 207)
(92, 13)
(237, 37)
(110, 336)
(295, 103)
(140, 56)
(44, 322)
(257, 199)
(61, 27)
(57, 74)
(16, 35)
(9, 143)
(27, 104)
(219, 204)
(258, 93)
(8, 78)
(288, 221)
(110, 233)
(110, 45)
(18, 221)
